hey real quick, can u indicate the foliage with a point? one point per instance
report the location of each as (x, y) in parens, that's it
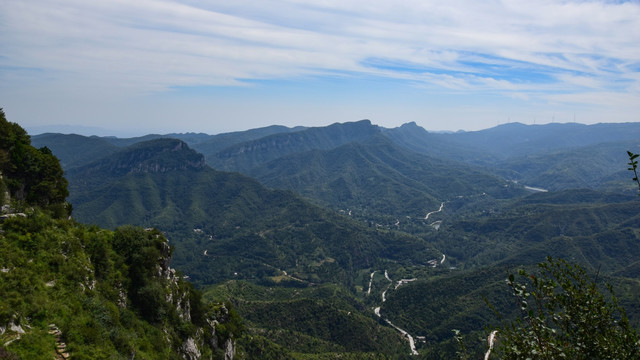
(33, 176)
(309, 322)
(102, 289)
(111, 294)
(633, 163)
(564, 315)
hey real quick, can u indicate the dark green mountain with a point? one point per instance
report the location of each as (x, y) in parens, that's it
(244, 156)
(216, 143)
(552, 156)
(245, 227)
(228, 226)
(442, 146)
(324, 319)
(596, 230)
(76, 150)
(153, 156)
(209, 144)
(378, 180)
(593, 234)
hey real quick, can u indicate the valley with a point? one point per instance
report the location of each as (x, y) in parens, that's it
(376, 310)
(336, 236)
(319, 180)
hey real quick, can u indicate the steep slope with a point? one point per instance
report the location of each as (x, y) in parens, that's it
(244, 227)
(70, 290)
(377, 179)
(29, 176)
(274, 253)
(153, 156)
(86, 292)
(442, 146)
(228, 226)
(77, 150)
(244, 156)
(216, 143)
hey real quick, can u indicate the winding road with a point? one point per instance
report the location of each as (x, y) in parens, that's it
(433, 212)
(376, 310)
(402, 282)
(370, 281)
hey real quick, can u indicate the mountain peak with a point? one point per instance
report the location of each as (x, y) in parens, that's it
(153, 156)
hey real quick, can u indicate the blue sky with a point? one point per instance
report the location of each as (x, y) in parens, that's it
(135, 67)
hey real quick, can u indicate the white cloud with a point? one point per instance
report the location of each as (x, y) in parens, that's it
(142, 46)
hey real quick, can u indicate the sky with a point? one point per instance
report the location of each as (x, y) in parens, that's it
(116, 67)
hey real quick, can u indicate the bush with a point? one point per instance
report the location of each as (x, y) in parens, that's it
(564, 315)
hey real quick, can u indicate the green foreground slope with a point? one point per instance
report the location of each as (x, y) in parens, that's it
(86, 292)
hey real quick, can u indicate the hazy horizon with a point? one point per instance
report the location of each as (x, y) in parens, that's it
(168, 66)
(105, 132)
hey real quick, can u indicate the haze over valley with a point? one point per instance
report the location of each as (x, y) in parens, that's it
(317, 232)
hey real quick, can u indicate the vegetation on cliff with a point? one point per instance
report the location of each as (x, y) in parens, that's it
(70, 289)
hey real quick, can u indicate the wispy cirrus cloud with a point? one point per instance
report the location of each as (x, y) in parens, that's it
(520, 49)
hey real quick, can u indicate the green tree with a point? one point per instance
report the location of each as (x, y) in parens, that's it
(564, 315)
(33, 176)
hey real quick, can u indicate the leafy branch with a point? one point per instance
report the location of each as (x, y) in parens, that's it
(633, 163)
(564, 315)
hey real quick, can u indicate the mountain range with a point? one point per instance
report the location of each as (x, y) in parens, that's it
(301, 221)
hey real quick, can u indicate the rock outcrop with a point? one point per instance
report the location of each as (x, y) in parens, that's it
(206, 336)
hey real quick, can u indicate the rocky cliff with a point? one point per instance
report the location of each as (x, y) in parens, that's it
(154, 156)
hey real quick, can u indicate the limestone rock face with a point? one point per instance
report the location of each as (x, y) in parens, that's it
(190, 350)
(193, 347)
(229, 350)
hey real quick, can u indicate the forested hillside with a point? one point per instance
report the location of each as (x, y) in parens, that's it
(378, 180)
(242, 226)
(79, 291)
(356, 241)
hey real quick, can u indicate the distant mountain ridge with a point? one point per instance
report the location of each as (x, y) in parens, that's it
(375, 176)
(75, 150)
(157, 155)
(506, 149)
(243, 156)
